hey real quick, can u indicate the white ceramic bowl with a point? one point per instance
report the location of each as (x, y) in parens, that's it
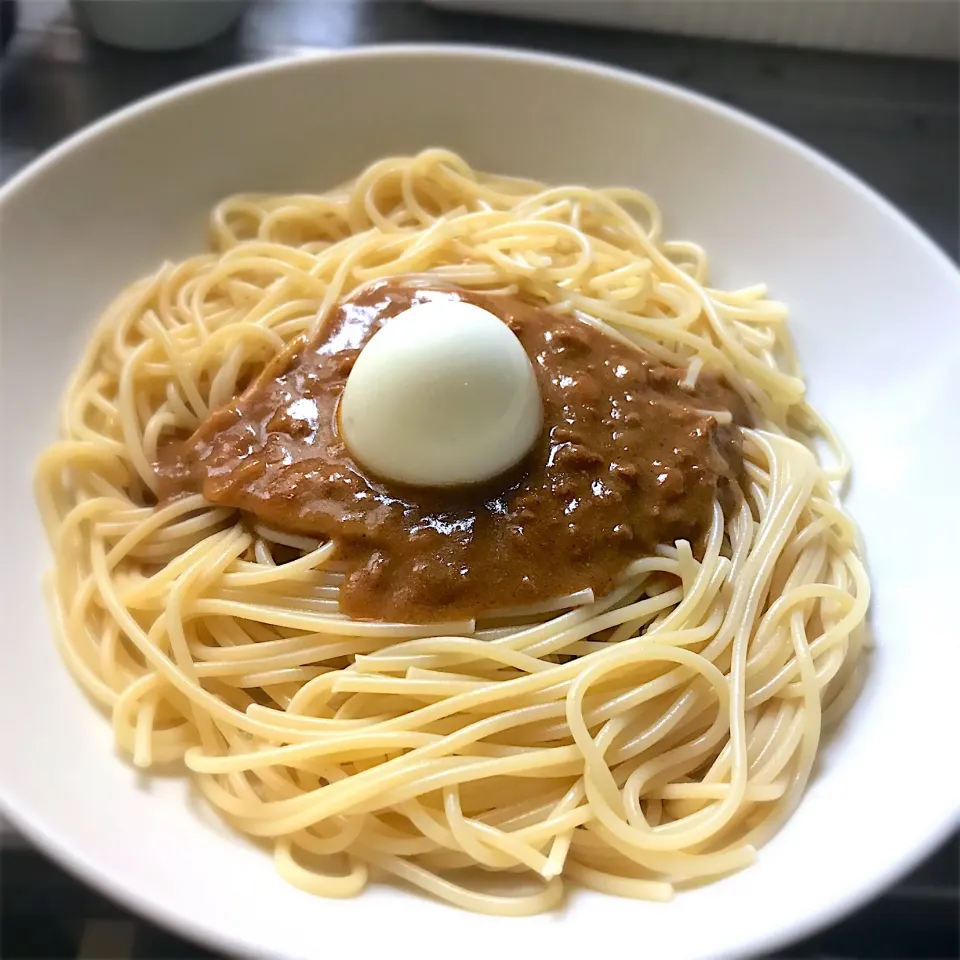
(875, 308)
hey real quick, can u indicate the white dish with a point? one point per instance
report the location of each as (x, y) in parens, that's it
(909, 28)
(874, 313)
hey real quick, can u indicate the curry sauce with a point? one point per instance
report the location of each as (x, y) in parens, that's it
(629, 457)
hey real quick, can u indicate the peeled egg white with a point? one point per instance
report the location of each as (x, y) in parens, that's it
(442, 395)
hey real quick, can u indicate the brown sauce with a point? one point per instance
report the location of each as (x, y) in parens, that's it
(627, 460)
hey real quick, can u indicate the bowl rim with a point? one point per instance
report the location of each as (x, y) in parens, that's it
(62, 849)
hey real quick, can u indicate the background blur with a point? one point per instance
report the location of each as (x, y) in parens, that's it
(873, 84)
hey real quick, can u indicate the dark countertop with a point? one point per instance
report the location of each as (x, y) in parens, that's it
(894, 122)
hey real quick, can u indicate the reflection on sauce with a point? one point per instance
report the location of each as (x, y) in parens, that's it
(627, 460)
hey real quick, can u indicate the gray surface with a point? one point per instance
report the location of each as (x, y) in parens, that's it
(894, 122)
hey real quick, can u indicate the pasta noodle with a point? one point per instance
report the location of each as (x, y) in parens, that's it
(635, 743)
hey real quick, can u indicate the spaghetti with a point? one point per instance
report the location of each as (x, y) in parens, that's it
(635, 742)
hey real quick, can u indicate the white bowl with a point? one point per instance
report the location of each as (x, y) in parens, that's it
(875, 308)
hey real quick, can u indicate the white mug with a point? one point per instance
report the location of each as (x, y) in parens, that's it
(157, 24)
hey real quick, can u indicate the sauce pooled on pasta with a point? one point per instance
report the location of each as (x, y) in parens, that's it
(629, 458)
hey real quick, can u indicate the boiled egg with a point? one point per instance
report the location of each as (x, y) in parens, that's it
(442, 395)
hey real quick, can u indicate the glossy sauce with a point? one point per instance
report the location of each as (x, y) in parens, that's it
(629, 458)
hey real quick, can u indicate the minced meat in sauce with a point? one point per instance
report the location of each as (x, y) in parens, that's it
(629, 458)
